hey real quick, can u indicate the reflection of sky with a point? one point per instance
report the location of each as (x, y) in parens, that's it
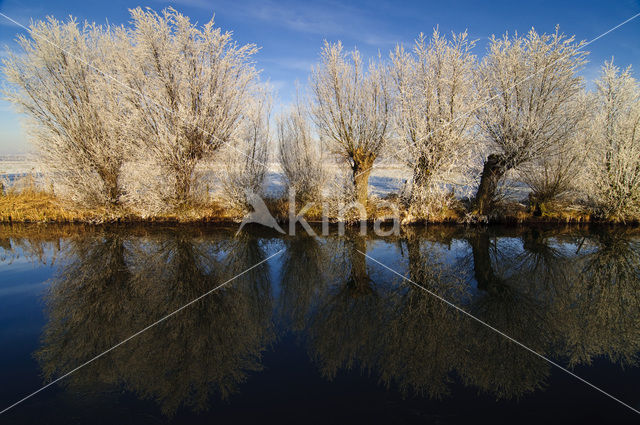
(290, 33)
(22, 284)
(290, 384)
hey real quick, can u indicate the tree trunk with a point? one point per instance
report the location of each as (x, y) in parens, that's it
(114, 194)
(109, 176)
(361, 171)
(182, 186)
(421, 177)
(494, 169)
(538, 205)
(421, 172)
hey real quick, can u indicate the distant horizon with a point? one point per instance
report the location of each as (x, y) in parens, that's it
(290, 34)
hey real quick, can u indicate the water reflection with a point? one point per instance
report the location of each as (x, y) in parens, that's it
(569, 294)
(115, 285)
(571, 297)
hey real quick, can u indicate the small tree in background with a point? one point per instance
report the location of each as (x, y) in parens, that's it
(554, 178)
(558, 177)
(352, 110)
(435, 99)
(529, 85)
(300, 156)
(74, 114)
(243, 166)
(614, 164)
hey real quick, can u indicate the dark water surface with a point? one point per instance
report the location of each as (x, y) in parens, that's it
(319, 333)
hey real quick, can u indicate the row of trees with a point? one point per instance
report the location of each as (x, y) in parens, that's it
(133, 115)
(523, 109)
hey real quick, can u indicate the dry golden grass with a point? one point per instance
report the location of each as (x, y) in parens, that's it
(38, 206)
(31, 205)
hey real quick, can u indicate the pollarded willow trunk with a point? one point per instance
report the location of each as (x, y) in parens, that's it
(539, 203)
(183, 185)
(361, 168)
(421, 172)
(114, 193)
(493, 171)
(110, 175)
(421, 177)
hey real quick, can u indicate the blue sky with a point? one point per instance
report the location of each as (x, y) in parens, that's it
(290, 33)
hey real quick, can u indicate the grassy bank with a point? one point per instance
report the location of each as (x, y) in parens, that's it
(36, 206)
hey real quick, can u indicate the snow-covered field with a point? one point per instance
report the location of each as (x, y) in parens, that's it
(16, 165)
(384, 178)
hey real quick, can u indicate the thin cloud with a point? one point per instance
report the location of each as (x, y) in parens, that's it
(290, 63)
(328, 19)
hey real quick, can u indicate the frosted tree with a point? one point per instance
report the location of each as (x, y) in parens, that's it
(435, 99)
(74, 115)
(192, 89)
(352, 110)
(557, 178)
(299, 155)
(528, 85)
(614, 164)
(243, 165)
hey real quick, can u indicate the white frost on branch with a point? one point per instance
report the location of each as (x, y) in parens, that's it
(74, 116)
(300, 155)
(352, 110)
(192, 86)
(433, 114)
(614, 165)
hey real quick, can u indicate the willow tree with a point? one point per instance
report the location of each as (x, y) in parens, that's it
(530, 88)
(352, 110)
(614, 163)
(192, 86)
(433, 112)
(300, 155)
(73, 113)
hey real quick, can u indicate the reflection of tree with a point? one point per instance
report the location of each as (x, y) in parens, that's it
(342, 325)
(38, 243)
(432, 341)
(508, 303)
(113, 287)
(532, 285)
(303, 268)
(605, 314)
(421, 344)
(566, 297)
(563, 303)
(407, 337)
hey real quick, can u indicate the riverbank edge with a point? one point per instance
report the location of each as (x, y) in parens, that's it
(42, 207)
